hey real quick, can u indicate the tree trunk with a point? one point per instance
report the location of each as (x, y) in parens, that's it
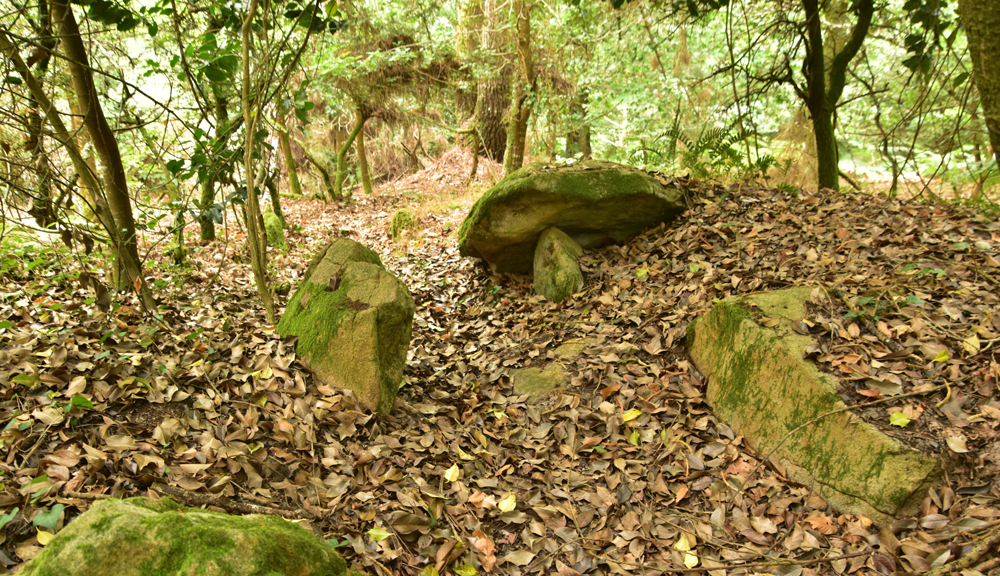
(583, 132)
(359, 125)
(256, 236)
(123, 236)
(981, 19)
(294, 187)
(821, 99)
(205, 224)
(524, 88)
(366, 177)
(42, 205)
(493, 93)
(324, 173)
(468, 36)
(272, 190)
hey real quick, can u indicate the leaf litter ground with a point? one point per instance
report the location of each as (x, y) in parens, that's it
(627, 471)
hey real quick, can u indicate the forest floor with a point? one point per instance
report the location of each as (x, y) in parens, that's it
(209, 405)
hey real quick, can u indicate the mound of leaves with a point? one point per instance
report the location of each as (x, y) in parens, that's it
(625, 472)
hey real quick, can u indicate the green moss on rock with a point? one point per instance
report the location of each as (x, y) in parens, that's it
(593, 202)
(353, 320)
(759, 383)
(537, 382)
(402, 220)
(275, 231)
(145, 537)
(557, 272)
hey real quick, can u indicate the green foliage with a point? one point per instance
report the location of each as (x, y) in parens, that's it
(717, 152)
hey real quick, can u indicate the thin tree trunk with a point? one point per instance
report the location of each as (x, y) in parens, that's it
(981, 19)
(103, 138)
(524, 89)
(323, 172)
(272, 190)
(205, 224)
(342, 155)
(821, 99)
(286, 151)
(468, 36)
(366, 177)
(256, 237)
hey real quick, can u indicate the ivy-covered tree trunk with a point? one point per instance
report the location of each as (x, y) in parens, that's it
(42, 207)
(524, 88)
(981, 19)
(294, 187)
(128, 273)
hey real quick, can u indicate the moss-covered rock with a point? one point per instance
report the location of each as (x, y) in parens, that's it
(759, 383)
(146, 537)
(402, 220)
(594, 202)
(557, 268)
(537, 382)
(353, 320)
(275, 231)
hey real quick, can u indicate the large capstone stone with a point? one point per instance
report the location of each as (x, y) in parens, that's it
(557, 267)
(142, 536)
(594, 202)
(353, 320)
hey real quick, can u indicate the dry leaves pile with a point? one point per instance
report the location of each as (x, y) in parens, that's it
(626, 472)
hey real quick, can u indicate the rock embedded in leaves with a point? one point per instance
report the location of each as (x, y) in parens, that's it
(557, 269)
(750, 352)
(401, 221)
(275, 231)
(146, 537)
(537, 382)
(594, 202)
(353, 320)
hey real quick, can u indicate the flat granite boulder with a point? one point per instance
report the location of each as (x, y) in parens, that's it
(146, 537)
(759, 383)
(594, 202)
(354, 321)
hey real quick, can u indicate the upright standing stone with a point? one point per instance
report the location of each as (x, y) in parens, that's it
(557, 266)
(354, 322)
